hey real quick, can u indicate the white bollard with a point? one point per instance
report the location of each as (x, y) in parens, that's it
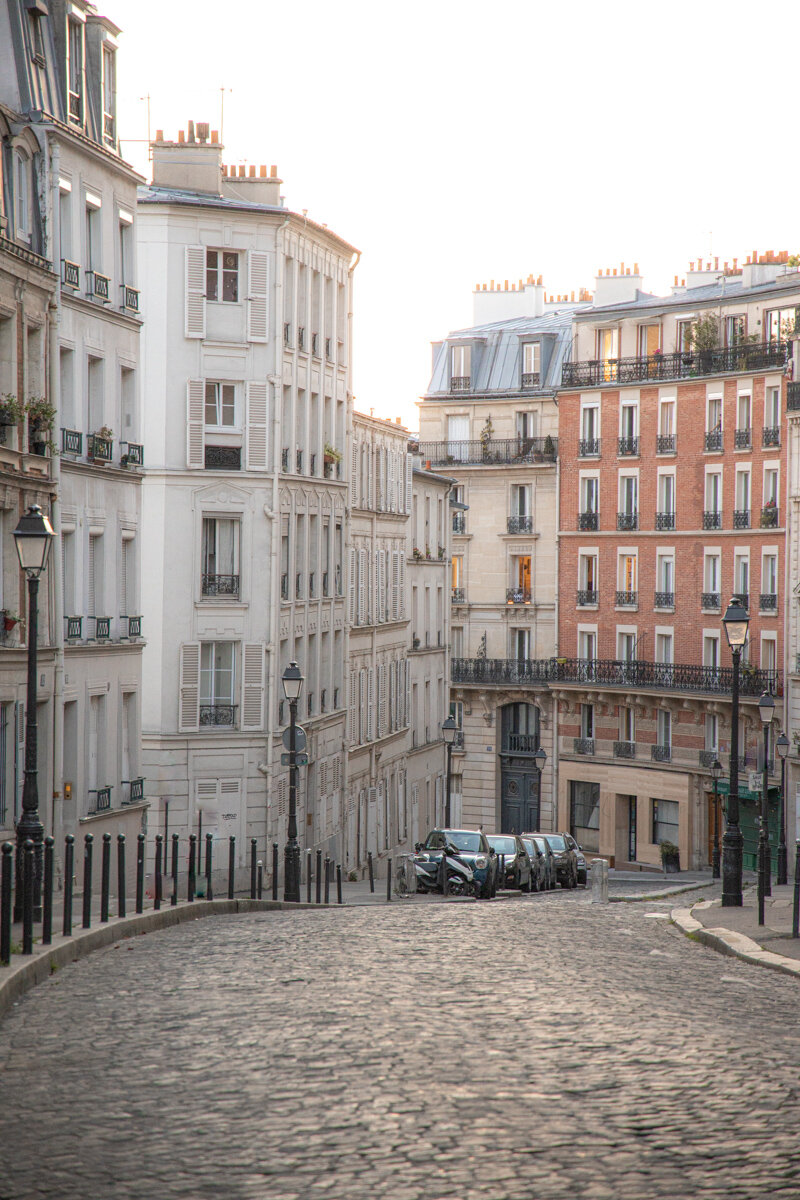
(599, 881)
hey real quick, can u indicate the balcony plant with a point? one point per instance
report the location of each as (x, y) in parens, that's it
(10, 619)
(41, 418)
(549, 447)
(11, 410)
(417, 553)
(332, 455)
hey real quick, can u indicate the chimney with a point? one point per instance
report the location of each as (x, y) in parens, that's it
(188, 164)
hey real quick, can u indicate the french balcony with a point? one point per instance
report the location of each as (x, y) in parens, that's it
(100, 449)
(713, 441)
(130, 298)
(460, 383)
(301, 338)
(712, 519)
(134, 626)
(287, 333)
(315, 345)
(299, 461)
(664, 600)
(136, 792)
(518, 595)
(517, 451)
(220, 585)
(520, 743)
(587, 520)
(71, 441)
(665, 520)
(102, 628)
(222, 458)
(680, 365)
(743, 439)
(624, 749)
(284, 586)
(666, 443)
(102, 802)
(459, 523)
(458, 595)
(707, 757)
(98, 285)
(583, 745)
(768, 602)
(218, 715)
(771, 435)
(74, 628)
(660, 753)
(626, 599)
(458, 739)
(628, 521)
(530, 379)
(520, 525)
(628, 447)
(769, 516)
(589, 448)
(70, 274)
(744, 597)
(741, 518)
(285, 461)
(710, 600)
(793, 397)
(586, 597)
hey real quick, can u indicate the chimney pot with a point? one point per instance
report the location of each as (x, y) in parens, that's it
(181, 137)
(262, 171)
(273, 172)
(252, 170)
(159, 135)
(615, 270)
(241, 171)
(214, 137)
(636, 268)
(190, 126)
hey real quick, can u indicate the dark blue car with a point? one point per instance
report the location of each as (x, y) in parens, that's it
(472, 848)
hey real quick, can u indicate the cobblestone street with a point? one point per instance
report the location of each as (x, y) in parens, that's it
(540, 1048)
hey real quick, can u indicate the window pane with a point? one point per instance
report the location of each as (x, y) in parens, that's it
(211, 274)
(228, 405)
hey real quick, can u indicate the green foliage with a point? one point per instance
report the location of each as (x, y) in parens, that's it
(40, 412)
(11, 407)
(703, 334)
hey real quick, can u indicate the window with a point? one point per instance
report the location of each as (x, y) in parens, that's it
(65, 223)
(770, 486)
(521, 644)
(458, 437)
(530, 361)
(627, 724)
(37, 42)
(714, 414)
(772, 408)
(607, 343)
(735, 328)
(587, 720)
(457, 572)
(711, 581)
(75, 53)
(590, 423)
(627, 575)
(94, 583)
(222, 276)
(109, 93)
(743, 420)
(22, 196)
(743, 491)
(713, 502)
(683, 338)
(460, 363)
(220, 404)
(527, 425)
(665, 575)
(584, 814)
(92, 258)
(520, 500)
(590, 493)
(220, 551)
(216, 682)
(781, 323)
(520, 590)
(665, 821)
(769, 579)
(587, 645)
(666, 496)
(626, 647)
(457, 640)
(769, 654)
(649, 340)
(587, 579)
(712, 733)
(664, 648)
(664, 727)
(741, 576)
(711, 651)
(666, 418)
(127, 257)
(629, 421)
(628, 494)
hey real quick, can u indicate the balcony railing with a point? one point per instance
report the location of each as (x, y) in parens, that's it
(134, 627)
(771, 435)
(102, 798)
(490, 451)
(588, 447)
(134, 455)
(587, 520)
(627, 520)
(223, 458)
(624, 749)
(710, 600)
(665, 520)
(315, 345)
(136, 793)
(460, 383)
(458, 595)
(530, 379)
(521, 743)
(218, 714)
(674, 366)
(101, 449)
(130, 298)
(98, 285)
(626, 599)
(586, 596)
(301, 337)
(741, 518)
(458, 739)
(102, 628)
(664, 600)
(627, 446)
(459, 523)
(287, 333)
(769, 517)
(74, 628)
(743, 439)
(70, 274)
(284, 586)
(615, 673)
(793, 397)
(520, 524)
(712, 520)
(661, 753)
(298, 586)
(285, 461)
(713, 440)
(220, 585)
(71, 441)
(707, 757)
(518, 595)
(768, 602)
(665, 443)
(744, 597)
(583, 745)
(299, 461)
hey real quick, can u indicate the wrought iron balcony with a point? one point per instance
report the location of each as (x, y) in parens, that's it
(299, 461)
(98, 285)
(586, 596)
(285, 461)
(101, 449)
(743, 439)
(325, 583)
(301, 338)
(298, 586)
(628, 520)
(665, 520)
(707, 757)
(312, 464)
(626, 599)
(627, 446)
(793, 396)
(218, 714)
(681, 365)
(710, 600)
(460, 383)
(624, 749)
(490, 451)
(458, 595)
(102, 628)
(521, 743)
(136, 793)
(741, 518)
(223, 458)
(328, 354)
(520, 524)
(768, 602)
(102, 798)
(666, 443)
(588, 447)
(661, 753)
(583, 745)
(71, 441)
(284, 586)
(134, 456)
(130, 298)
(712, 519)
(502, 671)
(70, 274)
(518, 595)
(771, 435)
(315, 345)
(287, 333)
(134, 627)
(458, 739)
(530, 379)
(74, 628)
(220, 585)
(769, 516)
(664, 600)
(587, 520)
(459, 523)
(745, 599)
(713, 440)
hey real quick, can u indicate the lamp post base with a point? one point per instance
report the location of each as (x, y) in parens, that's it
(291, 872)
(783, 868)
(33, 829)
(715, 861)
(732, 845)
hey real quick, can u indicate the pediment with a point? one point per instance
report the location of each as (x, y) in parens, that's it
(222, 493)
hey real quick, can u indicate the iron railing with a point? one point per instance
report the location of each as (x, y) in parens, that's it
(741, 518)
(459, 595)
(134, 457)
(458, 739)
(223, 458)
(710, 600)
(136, 791)
(627, 446)
(616, 673)
(218, 714)
(101, 449)
(530, 379)
(587, 520)
(502, 671)
(520, 743)
(130, 298)
(459, 523)
(680, 365)
(712, 520)
(793, 397)
(74, 627)
(627, 520)
(586, 596)
(743, 439)
(626, 599)
(284, 586)
(70, 274)
(624, 749)
(665, 520)
(134, 627)
(768, 602)
(769, 517)
(518, 595)
(71, 441)
(660, 753)
(520, 524)
(460, 383)
(707, 757)
(102, 798)
(771, 435)
(220, 585)
(588, 447)
(285, 460)
(98, 285)
(583, 745)
(664, 600)
(744, 597)
(665, 443)
(102, 628)
(713, 440)
(490, 451)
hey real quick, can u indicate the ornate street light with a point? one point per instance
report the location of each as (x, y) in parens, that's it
(782, 746)
(292, 680)
(766, 710)
(735, 623)
(716, 775)
(540, 758)
(449, 734)
(32, 537)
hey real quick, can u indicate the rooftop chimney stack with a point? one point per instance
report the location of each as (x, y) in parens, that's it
(189, 164)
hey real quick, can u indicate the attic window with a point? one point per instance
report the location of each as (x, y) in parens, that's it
(37, 41)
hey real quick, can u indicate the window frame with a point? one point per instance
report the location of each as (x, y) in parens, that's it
(219, 271)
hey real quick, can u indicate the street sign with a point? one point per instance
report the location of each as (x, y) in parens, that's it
(299, 738)
(300, 759)
(755, 781)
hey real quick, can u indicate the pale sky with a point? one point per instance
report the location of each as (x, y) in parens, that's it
(458, 142)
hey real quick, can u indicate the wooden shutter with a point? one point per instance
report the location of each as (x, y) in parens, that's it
(407, 697)
(256, 425)
(253, 685)
(195, 424)
(402, 599)
(354, 476)
(353, 708)
(409, 482)
(363, 725)
(381, 725)
(392, 696)
(195, 324)
(362, 586)
(395, 585)
(371, 705)
(91, 582)
(352, 585)
(257, 274)
(377, 615)
(189, 714)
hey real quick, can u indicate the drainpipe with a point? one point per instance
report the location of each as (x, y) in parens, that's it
(56, 571)
(556, 612)
(348, 443)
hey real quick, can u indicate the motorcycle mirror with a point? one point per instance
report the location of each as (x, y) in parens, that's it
(418, 846)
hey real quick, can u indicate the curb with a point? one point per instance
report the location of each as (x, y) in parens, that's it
(673, 891)
(735, 945)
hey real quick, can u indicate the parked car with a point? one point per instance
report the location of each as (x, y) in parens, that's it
(549, 858)
(583, 869)
(472, 847)
(538, 864)
(514, 864)
(566, 859)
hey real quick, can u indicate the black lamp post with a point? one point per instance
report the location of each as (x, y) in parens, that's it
(766, 709)
(292, 680)
(32, 537)
(540, 758)
(735, 622)
(716, 774)
(782, 746)
(449, 734)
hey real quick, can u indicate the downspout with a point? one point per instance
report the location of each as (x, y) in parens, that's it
(556, 599)
(56, 571)
(348, 441)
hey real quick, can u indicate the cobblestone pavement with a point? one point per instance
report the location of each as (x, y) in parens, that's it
(542, 1049)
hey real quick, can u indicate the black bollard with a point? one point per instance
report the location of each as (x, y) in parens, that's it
(190, 881)
(796, 905)
(274, 870)
(327, 879)
(445, 881)
(318, 878)
(260, 883)
(371, 872)
(252, 868)
(121, 885)
(5, 904)
(87, 881)
(158, 883)
(308, 876)
(140, 873)
(231, 865)
(27, 896)
(47, 905)
(105, 876)
(174, 869)
(69, 871)
(209, 854)
(501, 873)
(388, 880)
(338, 883)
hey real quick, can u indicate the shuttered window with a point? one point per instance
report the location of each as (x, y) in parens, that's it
(253, 685)
(256, 426)
(195, 424)
(195, 316)
(257, 276)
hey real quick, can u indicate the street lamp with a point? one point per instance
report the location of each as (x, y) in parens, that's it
(735, 622)
(32, 537)
(292, 680)
(716, 775)
(782, 746)
(540, 758)
(449, 734)
(766, 710)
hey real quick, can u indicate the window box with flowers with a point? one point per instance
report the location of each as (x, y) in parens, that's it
(100, 445)
(41, 418)
(11, 413)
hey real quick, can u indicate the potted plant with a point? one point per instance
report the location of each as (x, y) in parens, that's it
(11, 411)
(10, 619)
(670, 857)
(486, 435)
(549, 447)
(41, 417)
(332, 455)
(417, 553)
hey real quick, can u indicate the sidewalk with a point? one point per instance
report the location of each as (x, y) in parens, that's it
(736, 931)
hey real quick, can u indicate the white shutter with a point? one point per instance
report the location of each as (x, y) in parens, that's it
(352, 585)
(377, 615)
(363, 725)
(381, 480)
(381, 730)
(407, 704)
(256, 425)
(409, 482)
(390, 454)
(354, 476)
(195, 324)
(392, 696)
(395, 585)
(253, 685)
(353, 708)
(384, 606)
(362, 586)
(371, 705)
(402, 600)
(91, 582)
(195, 423)
(189, 715)
(257, 274)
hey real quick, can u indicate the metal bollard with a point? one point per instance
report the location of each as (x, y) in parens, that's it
(275, 870)
(599, 881)
(105, 876)
(371, 872)
(121, 886)
(501, 874)
(5, 904)
(319, 877)
(158, 880)
(28, 868)
(388, 880)
(308, 878)
(47, 906)
(190, 879)
(69, 871)
(87, 881)
(260, 884)
(209, 856)
(174, 896)
(252, 868)
(338, 883)
(445, 881)
(327, 879)
(231, 865)
(796, 903)
(140, 872)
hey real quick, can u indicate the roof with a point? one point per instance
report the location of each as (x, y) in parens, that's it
(722, 289)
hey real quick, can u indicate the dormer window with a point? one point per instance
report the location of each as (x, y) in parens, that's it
(22, 197)
(109, 94)
(531, 360)
(75, 70)
(460, 367)
(37, 40)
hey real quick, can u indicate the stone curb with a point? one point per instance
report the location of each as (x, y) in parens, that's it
(736, 945)
(673, 891)
(25, 972)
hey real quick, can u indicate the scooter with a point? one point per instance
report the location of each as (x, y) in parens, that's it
(428, 865)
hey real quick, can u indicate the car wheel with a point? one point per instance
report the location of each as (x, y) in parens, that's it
(582, 878)
(527, 887)
(574, 878)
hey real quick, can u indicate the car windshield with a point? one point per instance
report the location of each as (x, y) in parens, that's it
(459, 838)
(503, 845)
(557, 841)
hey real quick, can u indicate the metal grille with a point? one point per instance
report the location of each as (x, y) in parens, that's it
(130, 298)
(134, 627)
(665, 443)
(587, 520)
(661, 753)
(74, 627)
(710, 600)
(743, 439)
(588, 447)
(627, 446)
(220, 585)
(518, 596)
(490, 451)
(459, 595)
(70, 274)
(712, 520)
(223, 458)
(768, 602)
(99, 448)
(586, 597)
(135, 454)
(793, 397)
(714, 440)
(626, 599)
(583, 745)
(218, 714)
(769, 517)
(627, 521)
(460, 383)
(771, 435)
(71, 441)
(664, 600)
(741, 518)
(520, 524)
(624, 749)
(680, 365)
(665, 520)
(102, 628)
(530, 380)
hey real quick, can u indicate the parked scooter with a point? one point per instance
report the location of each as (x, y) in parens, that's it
(428, 865)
